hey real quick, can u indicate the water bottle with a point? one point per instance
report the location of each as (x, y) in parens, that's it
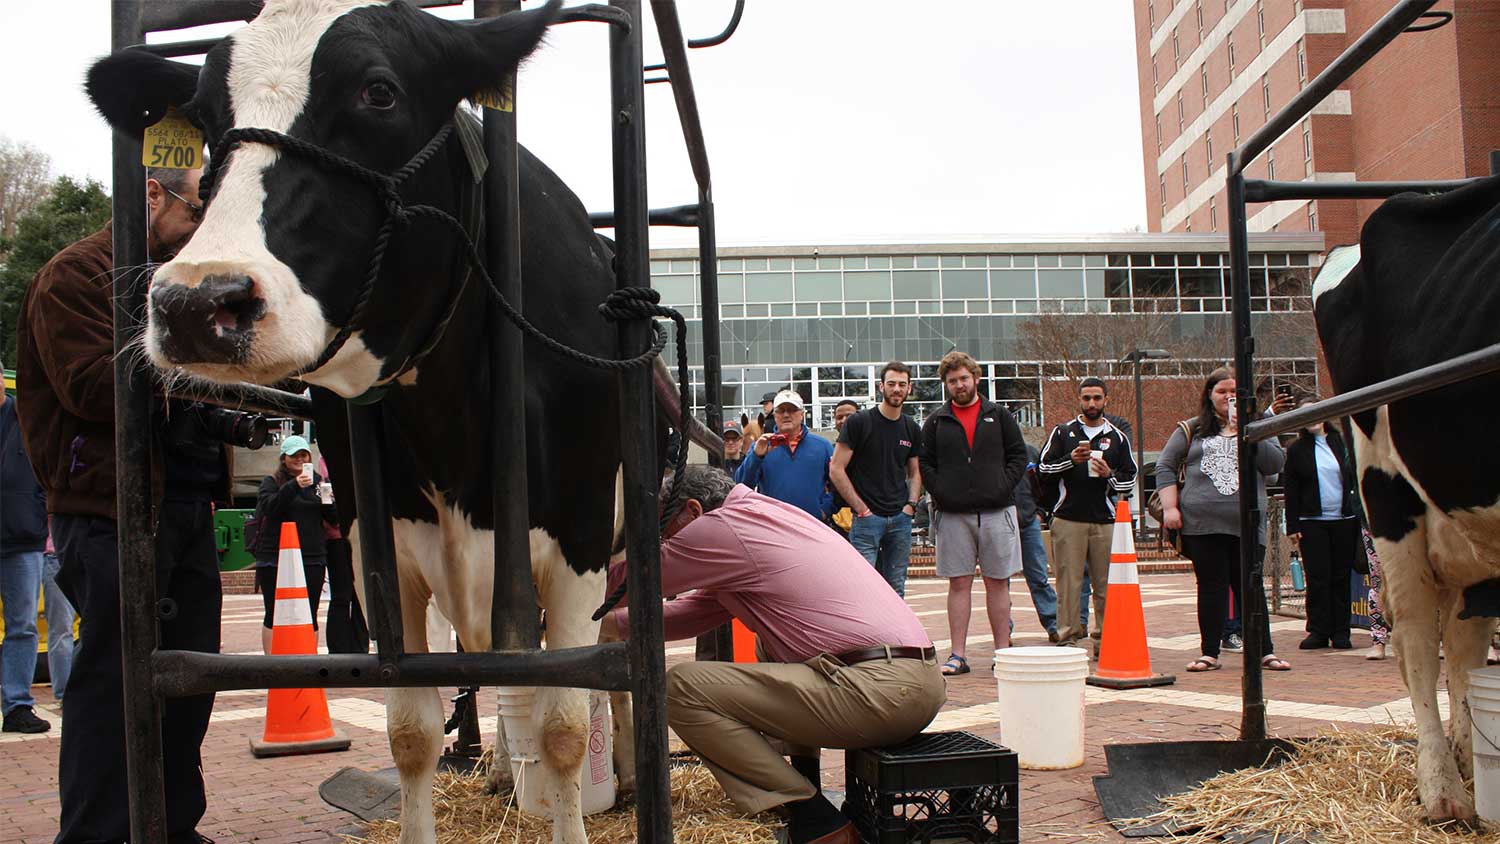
(1299, 582)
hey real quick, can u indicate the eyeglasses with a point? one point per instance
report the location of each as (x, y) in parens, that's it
(194, 210)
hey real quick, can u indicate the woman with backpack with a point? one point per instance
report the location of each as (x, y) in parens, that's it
(289, 494)
(1206, 511)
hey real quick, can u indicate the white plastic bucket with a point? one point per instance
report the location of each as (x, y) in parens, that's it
(1484, 708)
(518, 711)
(1041, 705)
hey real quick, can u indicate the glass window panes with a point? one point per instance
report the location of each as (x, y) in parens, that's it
(964, 284)
(999, 260)
(755, 264)
(867, 284)
(832, 309)
(1205, 282)
(880, 308)
(828, 263)
(1060, 283)
(733, 311)
(807, 309)
(854, 262)
(855, 308)
(1023, 261)
(1093, 283)
(804, 263)
(781, 310)
(1094, 261)
(731, 265)
(974, 261)
(927, 262)
(903, 262)
(916, 284)
(927, 307)
(819, 287)
(950, 307)
(904, 307)
(880, 262)
(1071, 260)
(684, 266)
(769, 287)
(952, 261)
(675, 290)
(781, 264)
(731, 288)
(1154, 283)
(1047, 260)
(1013, 284)
(660, 267)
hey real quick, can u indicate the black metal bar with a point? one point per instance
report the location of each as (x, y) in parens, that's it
(657, 80)
(592, 667)
(513, 606)
(1252, 609)
(247, 397)
(1439, 20)
(1463, 367)
(377, 543)
(1260, 190)
(176, 14)
(1140, 448)
(596, 12)
(133, 515)
(171, 49)
(674, 52)
(684, 216)
(638, 456)
(716, 40)
(1340, 69)
(708, 277)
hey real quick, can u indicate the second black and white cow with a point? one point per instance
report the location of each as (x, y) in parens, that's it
(276, 268)
(1418, 289)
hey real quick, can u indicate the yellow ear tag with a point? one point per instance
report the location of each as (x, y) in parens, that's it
(172, 142)
(499, 99)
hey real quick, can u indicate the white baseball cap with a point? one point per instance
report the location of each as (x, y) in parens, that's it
(787, 397)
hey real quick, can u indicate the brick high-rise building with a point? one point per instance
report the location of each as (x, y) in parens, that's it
(1213, 71)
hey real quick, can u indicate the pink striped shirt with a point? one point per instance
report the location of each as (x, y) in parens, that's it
(800, 586)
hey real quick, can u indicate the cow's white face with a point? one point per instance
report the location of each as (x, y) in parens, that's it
(275, 269)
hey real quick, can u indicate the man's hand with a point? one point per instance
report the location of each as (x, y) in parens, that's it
(912, 510)
(1282, 404)
(1171, 518)
(763, 444)
(1080, 453)
(1100, 468)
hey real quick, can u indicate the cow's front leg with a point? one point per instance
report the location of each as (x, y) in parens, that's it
(1465, 644)
(414, 722)
(569, 599)
(1412, 604)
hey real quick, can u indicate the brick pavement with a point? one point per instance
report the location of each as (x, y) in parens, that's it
(275, 800)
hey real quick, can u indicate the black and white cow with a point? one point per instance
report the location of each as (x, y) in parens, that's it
(274, 271)
(1421, 287)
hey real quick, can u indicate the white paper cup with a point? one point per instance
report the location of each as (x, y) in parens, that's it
(325, 492)
(1094, 455)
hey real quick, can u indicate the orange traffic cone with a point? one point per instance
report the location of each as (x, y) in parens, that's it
(744, 642)
(296, 719)
(1124, 662)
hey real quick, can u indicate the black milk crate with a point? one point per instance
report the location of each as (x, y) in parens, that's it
(935, 786)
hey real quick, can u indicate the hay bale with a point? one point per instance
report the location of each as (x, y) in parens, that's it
(1339, 788)
(701, 814)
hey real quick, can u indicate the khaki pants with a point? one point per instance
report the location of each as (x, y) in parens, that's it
(731, 713)
(1080, 544)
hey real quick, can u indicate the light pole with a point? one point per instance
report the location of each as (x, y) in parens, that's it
(1135, 357)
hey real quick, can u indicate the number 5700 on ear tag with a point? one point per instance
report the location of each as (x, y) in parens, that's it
(173, 143)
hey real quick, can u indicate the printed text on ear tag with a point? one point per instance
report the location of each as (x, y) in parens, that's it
(172, 142)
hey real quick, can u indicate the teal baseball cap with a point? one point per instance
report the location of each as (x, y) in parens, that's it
(293, 444)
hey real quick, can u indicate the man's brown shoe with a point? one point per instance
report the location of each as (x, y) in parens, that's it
(845, 834)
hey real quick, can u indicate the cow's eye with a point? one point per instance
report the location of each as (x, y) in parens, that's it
(378, 95)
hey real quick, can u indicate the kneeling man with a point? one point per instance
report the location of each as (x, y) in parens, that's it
(848, 664)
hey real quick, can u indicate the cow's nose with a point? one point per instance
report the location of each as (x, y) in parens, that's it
(207, 323)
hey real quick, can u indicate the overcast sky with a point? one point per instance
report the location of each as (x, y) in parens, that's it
(826, 122)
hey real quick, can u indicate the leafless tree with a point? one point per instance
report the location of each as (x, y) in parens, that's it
(25, 178)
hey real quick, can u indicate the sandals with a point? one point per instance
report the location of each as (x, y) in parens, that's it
(955, 665)
(1272, 662)
(1204, 663)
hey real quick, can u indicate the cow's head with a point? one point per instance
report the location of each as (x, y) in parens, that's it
(281, 256)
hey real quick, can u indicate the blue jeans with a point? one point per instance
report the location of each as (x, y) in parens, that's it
(59, 627)
(1034, 565)
(20, 583)
(885, 541)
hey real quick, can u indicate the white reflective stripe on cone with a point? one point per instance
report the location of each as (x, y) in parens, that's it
(292, 611)
(289, 573)
(1124, 540)
(1124, 573)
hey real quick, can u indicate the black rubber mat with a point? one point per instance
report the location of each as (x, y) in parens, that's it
(1141, 774)
(375, 795)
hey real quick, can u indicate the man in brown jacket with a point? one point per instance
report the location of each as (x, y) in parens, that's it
(65, 381)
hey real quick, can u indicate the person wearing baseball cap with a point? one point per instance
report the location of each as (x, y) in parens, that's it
(787, 464)
(734, 446)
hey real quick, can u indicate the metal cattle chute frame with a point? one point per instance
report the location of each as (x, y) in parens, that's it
(637, 666)
(1187, 763)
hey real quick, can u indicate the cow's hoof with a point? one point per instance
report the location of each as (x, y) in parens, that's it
(1455, 812)
(498, 779)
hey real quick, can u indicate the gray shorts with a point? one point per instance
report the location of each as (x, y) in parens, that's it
(990, 539)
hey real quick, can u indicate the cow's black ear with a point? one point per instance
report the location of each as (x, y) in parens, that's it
(492, 49)
(132, 89)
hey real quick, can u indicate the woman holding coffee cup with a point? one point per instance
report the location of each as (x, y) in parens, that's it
(290, 494)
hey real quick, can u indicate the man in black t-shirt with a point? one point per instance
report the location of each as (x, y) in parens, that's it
(874, 469)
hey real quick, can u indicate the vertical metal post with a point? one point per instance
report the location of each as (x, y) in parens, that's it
(377, 543)
(513, 613)
(1252, 608)
(641, 479)
(1140, 452)
(144, 771)
(708, 282)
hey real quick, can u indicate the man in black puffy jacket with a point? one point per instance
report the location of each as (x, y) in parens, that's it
(972, 456)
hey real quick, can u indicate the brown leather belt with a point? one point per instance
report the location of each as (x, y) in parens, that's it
(882, 652)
